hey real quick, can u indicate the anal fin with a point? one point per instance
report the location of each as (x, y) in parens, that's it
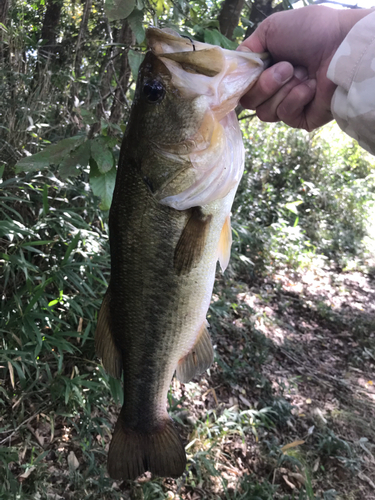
(198, 359)
(225, 244)
(190, 246)
(104, 343)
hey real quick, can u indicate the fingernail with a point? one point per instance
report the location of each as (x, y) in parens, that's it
(283, 73)
(311, 83)
(243, 48)
(301, 73)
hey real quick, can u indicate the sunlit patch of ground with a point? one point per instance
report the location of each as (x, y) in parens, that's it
(322, 325)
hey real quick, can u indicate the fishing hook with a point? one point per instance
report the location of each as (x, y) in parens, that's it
(191, 41)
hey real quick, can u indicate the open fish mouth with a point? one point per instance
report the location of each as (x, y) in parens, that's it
(214, 79)
(221, 75)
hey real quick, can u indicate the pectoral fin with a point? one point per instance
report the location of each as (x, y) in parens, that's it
(192, 241)
(225, 244)
(198, 359)
(104, 343)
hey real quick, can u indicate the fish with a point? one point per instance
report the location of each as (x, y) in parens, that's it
(180, 163)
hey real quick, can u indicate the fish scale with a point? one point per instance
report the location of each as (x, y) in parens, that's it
(180, 163)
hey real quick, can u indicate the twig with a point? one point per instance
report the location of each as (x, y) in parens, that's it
(27, 421)
(247, 116)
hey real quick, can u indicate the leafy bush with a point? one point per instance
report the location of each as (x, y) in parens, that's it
(302, 195)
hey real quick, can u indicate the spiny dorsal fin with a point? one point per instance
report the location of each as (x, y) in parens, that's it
(132, 453)
(192, 241)
(225, 244)
(104, 344)
(198, 359)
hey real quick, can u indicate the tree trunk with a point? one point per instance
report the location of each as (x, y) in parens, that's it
(229, 16)
(126, 38)
(260, 9)
(81, 38)
(49, 29)
(4, 6)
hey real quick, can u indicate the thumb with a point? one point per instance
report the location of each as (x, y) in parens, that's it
(256, 41)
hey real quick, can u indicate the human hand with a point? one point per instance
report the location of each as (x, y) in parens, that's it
(302, 43)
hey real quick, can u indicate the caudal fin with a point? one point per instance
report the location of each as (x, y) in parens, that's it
(133, 453)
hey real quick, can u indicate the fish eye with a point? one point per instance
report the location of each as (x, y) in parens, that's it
(153, 91)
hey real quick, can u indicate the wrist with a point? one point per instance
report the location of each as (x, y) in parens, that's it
(349, 18)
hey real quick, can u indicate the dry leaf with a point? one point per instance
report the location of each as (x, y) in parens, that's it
(291, 485)
(300, 478)
(73, 461)
(367, 479)
(26, 474)
(11, 373)
(245, 401)
(291, 445)
(80, 324)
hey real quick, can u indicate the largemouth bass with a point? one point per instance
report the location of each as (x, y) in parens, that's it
(180, 164)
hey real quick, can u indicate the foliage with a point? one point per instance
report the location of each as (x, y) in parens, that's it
(303, 198)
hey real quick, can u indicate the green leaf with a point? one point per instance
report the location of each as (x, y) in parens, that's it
(214, 37)
(118, 9)
(102, 156)
(72, 245)
(135, 60)
(135, 20)
(70, 166)
(102, 185)
(50, 155)
(45, 200)
(34, 162)
(293, 206)
(238, 32)
(58, 151)
(159, 7)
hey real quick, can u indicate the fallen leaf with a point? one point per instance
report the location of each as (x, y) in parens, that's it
(73, 461)
(291, 445)
(291, 485)
(26, 474)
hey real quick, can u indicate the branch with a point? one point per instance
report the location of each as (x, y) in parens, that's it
(247, 116)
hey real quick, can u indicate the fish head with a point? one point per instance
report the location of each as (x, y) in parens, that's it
(163, 115)
(186, 91)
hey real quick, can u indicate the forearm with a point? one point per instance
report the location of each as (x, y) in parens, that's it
(352, 69)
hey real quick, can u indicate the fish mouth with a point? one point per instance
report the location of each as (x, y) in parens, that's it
(222, 75)
(212, 80)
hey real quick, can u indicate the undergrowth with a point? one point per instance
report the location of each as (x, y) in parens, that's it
(58, 407)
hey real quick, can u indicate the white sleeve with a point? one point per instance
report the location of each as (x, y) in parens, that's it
(353, 69)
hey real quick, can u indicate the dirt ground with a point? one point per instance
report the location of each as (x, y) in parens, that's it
(286, 411)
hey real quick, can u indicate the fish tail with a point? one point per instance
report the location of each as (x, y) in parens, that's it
(132, 453)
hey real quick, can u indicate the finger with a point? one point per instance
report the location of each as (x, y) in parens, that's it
(292, 109)
(256, 41)
(267, 111)
(268, 84)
